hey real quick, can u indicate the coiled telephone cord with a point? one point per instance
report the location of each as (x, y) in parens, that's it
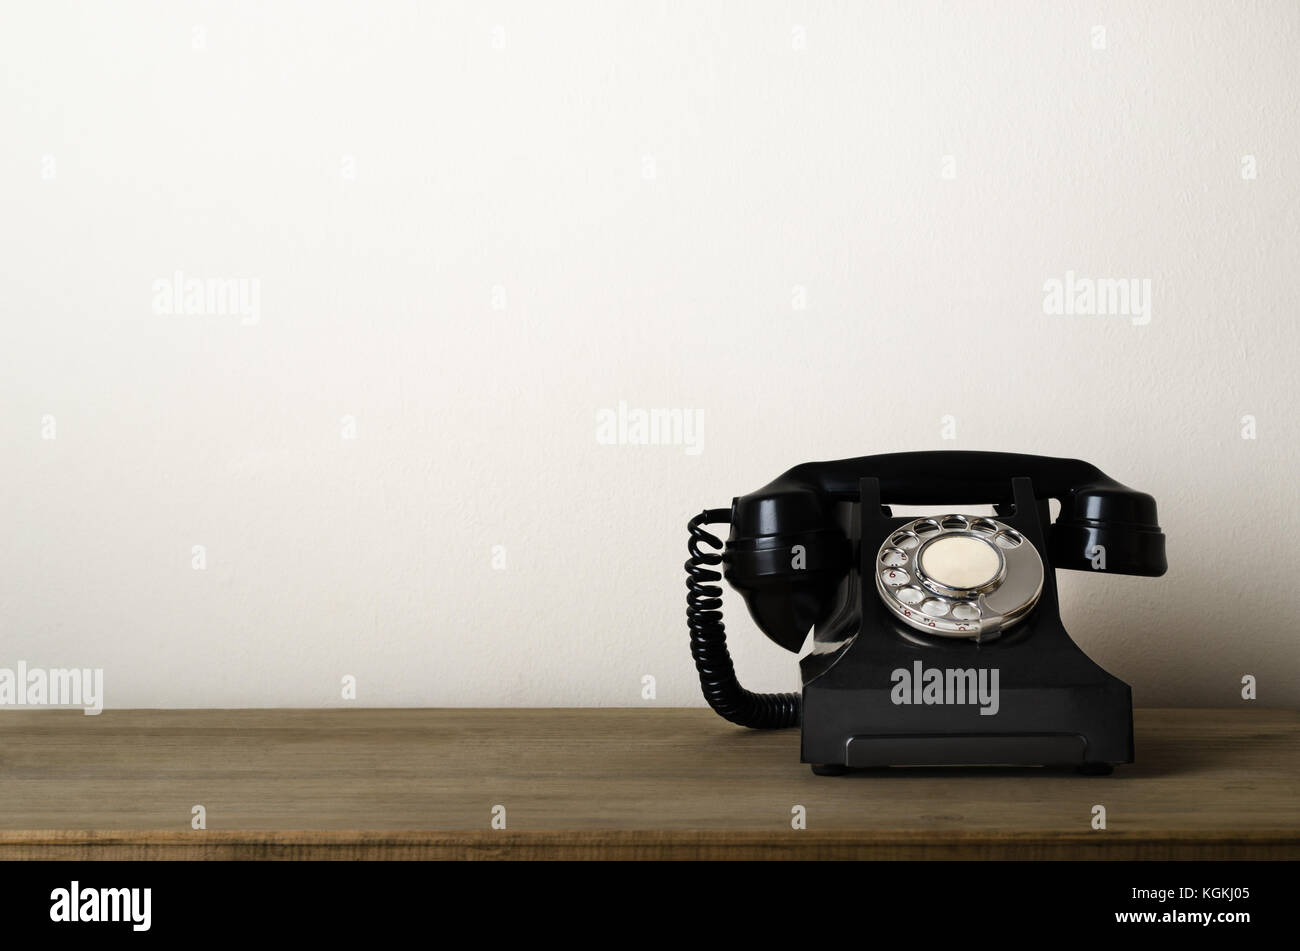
(761, 711)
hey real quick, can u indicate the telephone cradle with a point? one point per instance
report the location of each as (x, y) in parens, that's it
(937, 640)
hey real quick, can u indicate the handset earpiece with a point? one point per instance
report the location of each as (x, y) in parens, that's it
(786, 556)
(1108, 528)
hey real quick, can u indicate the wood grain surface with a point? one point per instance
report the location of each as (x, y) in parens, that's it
(602, 783)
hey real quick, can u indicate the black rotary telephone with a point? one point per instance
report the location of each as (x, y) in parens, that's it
(936, 640)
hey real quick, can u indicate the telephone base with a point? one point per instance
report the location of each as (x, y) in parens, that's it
(1092, 735)
(876, 693)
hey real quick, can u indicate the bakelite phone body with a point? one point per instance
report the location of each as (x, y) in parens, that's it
(936, 640)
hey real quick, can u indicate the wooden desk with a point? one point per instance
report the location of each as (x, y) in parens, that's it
(627, 783)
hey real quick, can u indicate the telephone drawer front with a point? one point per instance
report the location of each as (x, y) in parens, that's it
(1000, 750)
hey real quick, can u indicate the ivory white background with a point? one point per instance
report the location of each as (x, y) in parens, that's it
(507, 145)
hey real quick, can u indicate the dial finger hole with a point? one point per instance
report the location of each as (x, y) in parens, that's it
(911, 595)
(954, 522)
(983, 526)
(1008, 539)
(895, 577)
(905, 540)
(965, 611)
(934, 607)
(893, 557)
(926, 527)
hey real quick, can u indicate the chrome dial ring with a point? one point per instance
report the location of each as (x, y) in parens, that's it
(958, 575)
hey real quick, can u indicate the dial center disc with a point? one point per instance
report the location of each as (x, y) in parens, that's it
(960, 561)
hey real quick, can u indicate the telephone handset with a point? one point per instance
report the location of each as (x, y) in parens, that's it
(912, 615)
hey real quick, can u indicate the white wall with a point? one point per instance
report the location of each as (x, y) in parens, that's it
(130, 154)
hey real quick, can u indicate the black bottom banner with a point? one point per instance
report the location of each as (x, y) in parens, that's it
(627, 901)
